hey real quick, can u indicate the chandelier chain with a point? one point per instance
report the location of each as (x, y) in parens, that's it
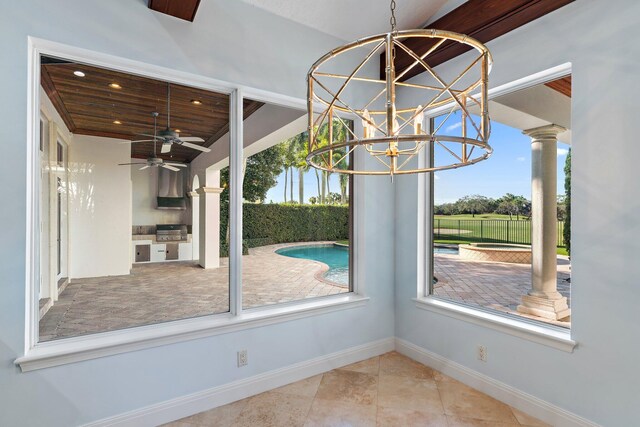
(392, 20)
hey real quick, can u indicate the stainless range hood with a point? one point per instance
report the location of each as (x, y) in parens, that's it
(171, 189)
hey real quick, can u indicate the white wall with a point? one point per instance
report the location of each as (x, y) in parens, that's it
(144, 184)
(238, 43)
(601, 379)
(99, 207)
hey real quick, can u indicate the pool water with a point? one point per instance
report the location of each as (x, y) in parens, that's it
(445, 250)
(336, 257)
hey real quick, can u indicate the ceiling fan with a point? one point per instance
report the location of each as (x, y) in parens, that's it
(154, 161)
(170, 136)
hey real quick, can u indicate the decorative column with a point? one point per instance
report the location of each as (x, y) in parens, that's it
(209, 239)
(543, 299)
(195, 225)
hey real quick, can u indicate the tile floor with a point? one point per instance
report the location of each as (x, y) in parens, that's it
(391, 390)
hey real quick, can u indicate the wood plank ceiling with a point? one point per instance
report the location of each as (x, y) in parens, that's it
(483, 20)
(90, 106)
(183, 9)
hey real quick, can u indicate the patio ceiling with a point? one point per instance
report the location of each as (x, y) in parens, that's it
(89, 106)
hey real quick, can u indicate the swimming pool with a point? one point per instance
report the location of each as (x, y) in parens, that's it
(445, 250)
(336, 257)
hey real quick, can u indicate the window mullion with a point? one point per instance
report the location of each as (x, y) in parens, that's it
(235, 201)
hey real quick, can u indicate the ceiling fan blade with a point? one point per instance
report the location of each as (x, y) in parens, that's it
(138, 140)
(128, 164)
(166, 166)
(195, 147)
(179, 165)
(191, 139)
(166, 147)
(144, 167)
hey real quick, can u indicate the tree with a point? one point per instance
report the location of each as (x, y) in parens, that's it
(510, 204)
(260, 174)
(566, 231)
(476, 204)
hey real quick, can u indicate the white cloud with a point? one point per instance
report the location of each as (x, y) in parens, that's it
(562, 152)
(453, 127)
(520, 159)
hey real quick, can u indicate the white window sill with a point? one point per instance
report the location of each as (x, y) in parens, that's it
(71, 350)
(549, 336)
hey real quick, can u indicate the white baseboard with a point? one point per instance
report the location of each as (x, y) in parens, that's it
(525, 402)
(184, 406)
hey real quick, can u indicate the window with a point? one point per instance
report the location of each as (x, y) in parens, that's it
(501, 228)
(296, 219)
(136, 210)
(117, 219)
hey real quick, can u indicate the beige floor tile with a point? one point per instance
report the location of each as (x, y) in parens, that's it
(307, 387)
(332, 413)
(222, 416)
(396, 417)
(347, 386)
(409, 393)
(274, 410)
(527, 420)
(368, 366)
(396, 364)
(455, 421)
(466, 402)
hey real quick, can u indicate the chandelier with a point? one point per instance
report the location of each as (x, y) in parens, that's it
(392, 111)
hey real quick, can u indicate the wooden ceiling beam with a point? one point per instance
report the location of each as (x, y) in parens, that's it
(183, 9)
(483, 20)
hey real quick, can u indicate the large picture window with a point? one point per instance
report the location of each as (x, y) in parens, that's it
(138, 222)
(501, 238)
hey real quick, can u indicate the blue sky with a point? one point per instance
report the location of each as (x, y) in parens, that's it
(508, 170)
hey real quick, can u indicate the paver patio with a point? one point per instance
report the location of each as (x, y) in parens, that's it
(495, 285)
(161, 292)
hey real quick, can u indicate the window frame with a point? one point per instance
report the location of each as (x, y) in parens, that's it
(546, 334)
(38, 355)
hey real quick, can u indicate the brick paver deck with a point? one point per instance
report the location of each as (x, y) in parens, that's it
(161, 292)
(494, 285)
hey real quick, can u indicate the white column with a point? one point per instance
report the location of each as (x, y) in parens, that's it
(543, 299)
(209, 239)
(195, 225)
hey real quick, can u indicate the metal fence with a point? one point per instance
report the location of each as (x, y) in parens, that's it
(487, 230)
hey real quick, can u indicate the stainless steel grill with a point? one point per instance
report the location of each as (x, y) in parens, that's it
(171, 232)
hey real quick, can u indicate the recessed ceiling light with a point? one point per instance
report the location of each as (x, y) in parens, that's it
(79, 73)
(115, 86)
(117, 122)
(196, 102)
(177, 130)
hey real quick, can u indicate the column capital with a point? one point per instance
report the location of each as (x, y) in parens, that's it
(545, 133)
(204, 190)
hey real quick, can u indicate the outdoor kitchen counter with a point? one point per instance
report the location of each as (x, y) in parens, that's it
(151, 238)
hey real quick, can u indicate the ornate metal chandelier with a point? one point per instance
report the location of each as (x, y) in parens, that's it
(393, 111)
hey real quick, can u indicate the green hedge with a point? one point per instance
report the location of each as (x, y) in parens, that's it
(265, 224)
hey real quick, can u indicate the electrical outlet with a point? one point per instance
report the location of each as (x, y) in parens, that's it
(242, 358)
(482, 353)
